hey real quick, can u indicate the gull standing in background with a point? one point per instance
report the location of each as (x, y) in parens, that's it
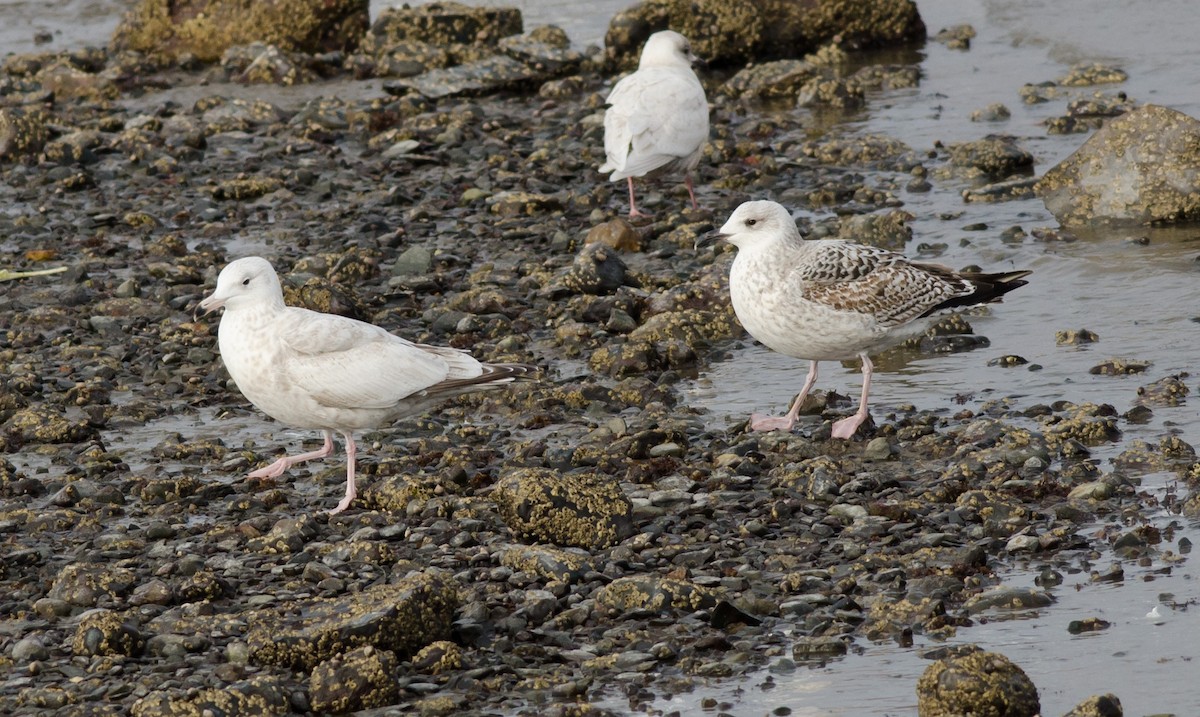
(657, 118)
(328, 372)
(831, 300)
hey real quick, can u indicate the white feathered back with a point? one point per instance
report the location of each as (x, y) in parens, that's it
(657, 118)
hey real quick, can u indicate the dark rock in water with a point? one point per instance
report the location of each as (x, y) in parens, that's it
(979, 683)
(256, 696)
(1098, 706)
(956, 37)
(887, 77)
(585, 510)
(1075, 337)
(1003, 191)
(1166, 391)
(1120, 367)
(1087, 74)
(360, 679)
(402, 617)
(728, 32)
(204, 29)
(887, 231)
(1008, 598)
(1140, 168)
(996, 156)
(13, 483)
(818, 649)
(834, 93)
(875, 151)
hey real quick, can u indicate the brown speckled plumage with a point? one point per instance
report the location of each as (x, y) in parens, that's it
(834, 300)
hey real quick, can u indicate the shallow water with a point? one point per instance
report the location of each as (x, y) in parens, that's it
(1138, 298)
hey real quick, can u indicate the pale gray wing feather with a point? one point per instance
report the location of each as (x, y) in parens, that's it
(343, 363)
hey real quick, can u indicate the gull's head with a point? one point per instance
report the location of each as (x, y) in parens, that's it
(245, 282)
(669, 49)
(757, 224)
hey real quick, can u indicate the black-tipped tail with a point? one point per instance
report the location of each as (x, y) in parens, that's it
(986, 289)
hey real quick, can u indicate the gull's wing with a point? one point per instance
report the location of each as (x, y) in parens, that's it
(877, 282)
(345, 363)
(655, 116)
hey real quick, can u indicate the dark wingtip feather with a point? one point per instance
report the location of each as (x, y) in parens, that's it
(987, 288)
(494, 375)
(508, 372)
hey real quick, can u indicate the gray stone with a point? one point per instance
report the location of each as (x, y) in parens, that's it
(1141, 167)
(416, 260)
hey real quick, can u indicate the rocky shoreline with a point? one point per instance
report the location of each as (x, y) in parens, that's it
(512, 553)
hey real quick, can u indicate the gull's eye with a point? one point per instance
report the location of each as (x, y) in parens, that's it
(751, 222)
(246, 281)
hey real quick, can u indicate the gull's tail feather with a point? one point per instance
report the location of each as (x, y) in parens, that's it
(985, 289)
(495, 375)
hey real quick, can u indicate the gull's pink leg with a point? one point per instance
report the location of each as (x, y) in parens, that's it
(351, 492)
(687, 178)
(633, 210)
(759, 422)
(277, 468)
(846, 427)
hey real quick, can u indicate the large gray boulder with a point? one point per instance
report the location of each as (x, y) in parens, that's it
(1140, 168)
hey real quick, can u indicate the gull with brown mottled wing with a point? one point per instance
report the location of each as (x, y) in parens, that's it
(831, 300)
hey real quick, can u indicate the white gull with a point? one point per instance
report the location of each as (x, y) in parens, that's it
(657, 119)
(831, 300)
(327, 372)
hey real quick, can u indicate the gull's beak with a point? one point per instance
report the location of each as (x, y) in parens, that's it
(699, 63)
(208, 305)
(708, 238)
